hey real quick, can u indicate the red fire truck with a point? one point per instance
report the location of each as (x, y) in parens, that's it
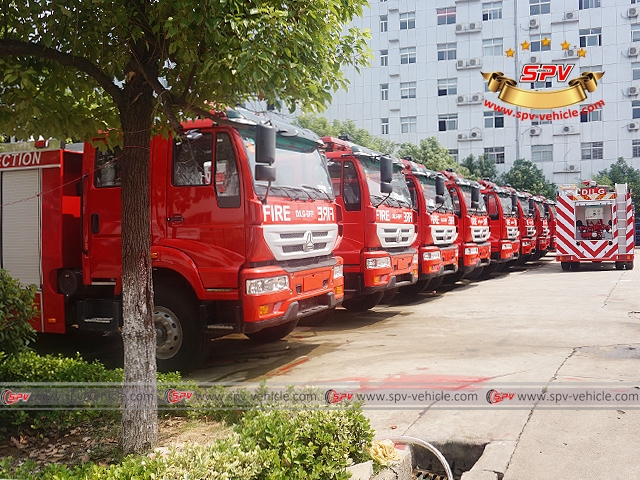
(378, 222)
(243, 226)
(543, 233)
(437, 226)
(473, 225)
(595, 223)
(527, 224)
(552, 224)
(502, 209)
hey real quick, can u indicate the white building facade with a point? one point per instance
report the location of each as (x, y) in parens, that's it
(425, 79)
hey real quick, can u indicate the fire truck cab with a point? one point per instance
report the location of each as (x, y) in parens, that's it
(502, 208)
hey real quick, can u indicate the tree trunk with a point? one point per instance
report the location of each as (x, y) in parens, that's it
(140, 403)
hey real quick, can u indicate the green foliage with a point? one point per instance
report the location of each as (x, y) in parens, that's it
(621, 172)
(433, 155)
(266, 445)
(524, 175)
(16, 309)
(481, 168)
(360, 136)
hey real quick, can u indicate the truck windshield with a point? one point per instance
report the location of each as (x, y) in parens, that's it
(300, 174)
(400, 197)
(466, 190)
(541, 210)
(507, 209)
(429, 191)
(524, 203)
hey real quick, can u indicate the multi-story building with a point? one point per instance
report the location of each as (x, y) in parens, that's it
(425, 79)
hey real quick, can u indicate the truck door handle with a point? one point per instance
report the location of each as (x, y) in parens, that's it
(177, 218)
(95, 223)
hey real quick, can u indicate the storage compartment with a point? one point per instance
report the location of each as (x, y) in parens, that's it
(594, 221)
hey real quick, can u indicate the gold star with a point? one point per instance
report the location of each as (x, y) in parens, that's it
(510, 52)
(525, 45)
(582, 52)
(565, 45)
(546, 42)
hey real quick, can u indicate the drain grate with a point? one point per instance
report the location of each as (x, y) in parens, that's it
(419, 474)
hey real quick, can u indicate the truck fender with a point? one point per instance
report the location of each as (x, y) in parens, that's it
(179, 262)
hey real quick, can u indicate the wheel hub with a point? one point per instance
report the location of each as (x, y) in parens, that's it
(169, 334)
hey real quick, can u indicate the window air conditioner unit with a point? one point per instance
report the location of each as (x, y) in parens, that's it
(534, 23)
(475, 62)
(462, 136)
(570, 53)
(535, 59)
(476, 135)
(633, 126)
(572, 168)
(633, 90)
(634, 51)
(461, 99)
(475, 26)
(571, 15)
(535, 131)
(477, 97)
(459, 27)
(632, 12)
(567, 129)
(461, 64)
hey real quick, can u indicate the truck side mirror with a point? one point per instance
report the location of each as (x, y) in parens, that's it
(386, 169)
(265, 144)
(440, 188)
(532, 205)
(514, 202)
(265, 173)
(439, 199)
(386, 187)
(546, 209)
(475, 197)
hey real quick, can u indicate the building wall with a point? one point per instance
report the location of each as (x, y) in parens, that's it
(363, 101)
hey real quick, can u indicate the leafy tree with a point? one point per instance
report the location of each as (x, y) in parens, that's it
(324, 128)
(481, 168)
(71, 69)
(621, 172)
(433, 155)
(524, 175)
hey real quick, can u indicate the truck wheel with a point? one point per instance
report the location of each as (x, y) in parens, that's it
(316, 318)
(363, 302)
(629, 265)
(412, 290)
(389, 295)
(575, 265)
(435, 283)
(273, 334)
(619, 265)
(566, 266)
(452, 278)
(475, 273)
(180, 345)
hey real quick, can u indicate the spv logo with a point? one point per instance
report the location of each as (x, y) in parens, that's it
(542, 73)
(7, 397)
(174, 396)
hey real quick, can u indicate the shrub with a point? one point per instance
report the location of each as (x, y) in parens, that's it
(16, 309)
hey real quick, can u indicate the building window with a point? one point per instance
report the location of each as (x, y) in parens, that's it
(492, 46)
(446, 51)
(408, 124)
(447, 122)
(541, 153)
(447, 86)
(491, 11)
(493, 120)
(407, 20)
(635, 32)
(494, 154)
(407, 55)
(536, 43)
(384, 58)
(636, 148)
(591, 150)
(584, 4)
(541, 119)
(596, 68)
(592, 37)
(590, 116)
(635, 70)
(635, 108)
(384, 91)
(384, 23)
(541, 85)
(384, 123)
(539, 7)
(446, 16)
(453, 153)
(408, 90)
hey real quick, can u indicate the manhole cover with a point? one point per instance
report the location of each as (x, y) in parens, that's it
(426, 475)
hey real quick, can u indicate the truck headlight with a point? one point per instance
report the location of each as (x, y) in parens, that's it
(415, 258)
(430, 255)
(267, 285)
(382, 262)
(471, 251)
(337, 271)
(506, 246)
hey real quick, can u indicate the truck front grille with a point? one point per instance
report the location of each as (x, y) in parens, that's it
(480, 234)
(513, 233)
(443, 235)
(395, 234)
(296, 241)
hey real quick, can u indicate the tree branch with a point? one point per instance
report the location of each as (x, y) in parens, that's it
(15, 48)
(165, 97)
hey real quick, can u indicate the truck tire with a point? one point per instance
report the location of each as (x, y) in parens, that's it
(566, 266)
(317, 318)
(475, 274)
(575, 266)
(363, 302)
(389, 295)
(435, 283)
(180, 344)
(619, 265)
(415, 289)
(628, 265)
(273, 334)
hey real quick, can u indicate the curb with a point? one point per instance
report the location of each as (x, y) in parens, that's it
(398, 470)
(493, 463)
